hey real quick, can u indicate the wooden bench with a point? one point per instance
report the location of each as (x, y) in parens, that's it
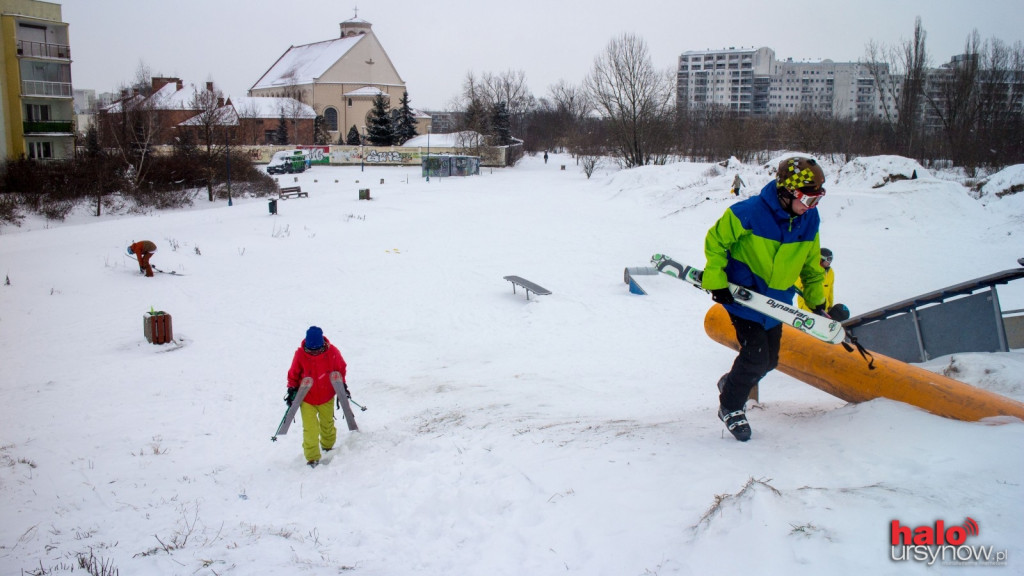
(292, 192)
(527, 285)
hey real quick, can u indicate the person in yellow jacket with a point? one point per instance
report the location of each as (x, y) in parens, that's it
(828, 284)
(143, 251)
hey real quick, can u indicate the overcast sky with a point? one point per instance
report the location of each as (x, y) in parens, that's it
(433, 44)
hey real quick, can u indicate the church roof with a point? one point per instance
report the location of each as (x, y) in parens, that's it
(304, 64)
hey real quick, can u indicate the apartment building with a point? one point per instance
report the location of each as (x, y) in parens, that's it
(36, 98)
(752, 81)
(837, 89)
(737, 79)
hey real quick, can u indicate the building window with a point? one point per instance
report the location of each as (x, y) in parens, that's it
(40, 150)
(349, 102)
(37, 112)
(331, 119)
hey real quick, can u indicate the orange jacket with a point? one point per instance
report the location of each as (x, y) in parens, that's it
(319, 368)
(140, 248)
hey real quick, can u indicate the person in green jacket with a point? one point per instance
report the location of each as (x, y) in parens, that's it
(764, 243)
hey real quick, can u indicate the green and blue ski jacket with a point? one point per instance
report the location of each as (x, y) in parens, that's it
(761, 246)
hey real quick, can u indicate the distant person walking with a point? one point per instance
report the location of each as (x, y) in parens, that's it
(143, 251)
(545, 156)
(737, 183)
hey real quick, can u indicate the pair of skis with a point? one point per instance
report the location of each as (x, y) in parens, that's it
(821, 327)
(304, 387)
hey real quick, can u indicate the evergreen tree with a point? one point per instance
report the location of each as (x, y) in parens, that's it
(406, 126)
(92, 142)
(320, 135)
(380, 131)
(353, 137)
(281, 136)
(475, 117)
(501, 124)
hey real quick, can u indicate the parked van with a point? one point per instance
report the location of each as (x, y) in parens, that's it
(288, 162)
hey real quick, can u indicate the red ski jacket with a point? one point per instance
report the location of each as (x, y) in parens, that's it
(319, 368)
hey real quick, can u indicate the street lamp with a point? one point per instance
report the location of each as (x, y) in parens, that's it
(362, 151)
(227, 152)
(428, 152)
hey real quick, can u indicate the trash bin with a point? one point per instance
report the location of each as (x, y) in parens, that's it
(272, 205)
(364, 193)
(156, 326)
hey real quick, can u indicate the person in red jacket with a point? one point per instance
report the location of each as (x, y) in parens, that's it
(143, 251)
(316, 358)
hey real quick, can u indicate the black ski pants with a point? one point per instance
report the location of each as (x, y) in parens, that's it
(759, 354)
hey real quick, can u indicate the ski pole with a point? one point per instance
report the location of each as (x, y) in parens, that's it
(274, 437)
(361, 407)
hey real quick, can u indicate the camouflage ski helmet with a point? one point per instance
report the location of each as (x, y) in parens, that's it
(800, 173)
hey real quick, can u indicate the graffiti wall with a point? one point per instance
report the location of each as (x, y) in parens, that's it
(356, 155)
(318, 154)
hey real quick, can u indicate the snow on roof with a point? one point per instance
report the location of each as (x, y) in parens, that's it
(303, 64)
(168, 97)
(367, 91)
(223, 116)
(267, 107)
(255, 107)
(117, 106)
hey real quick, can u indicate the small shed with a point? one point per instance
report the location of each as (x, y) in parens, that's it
(442, 165)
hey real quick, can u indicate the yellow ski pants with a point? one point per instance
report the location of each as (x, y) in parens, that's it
(317, 428)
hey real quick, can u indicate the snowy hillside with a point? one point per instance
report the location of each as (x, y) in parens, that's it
(566, 434)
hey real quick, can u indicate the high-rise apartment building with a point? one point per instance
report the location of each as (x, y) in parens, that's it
(752, 81)
(737, 79)
(837, 89)
(36, 98)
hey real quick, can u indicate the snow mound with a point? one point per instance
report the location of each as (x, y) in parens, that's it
(1007, 181)
(877, 171)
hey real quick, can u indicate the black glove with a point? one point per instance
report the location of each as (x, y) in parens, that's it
(839, 312)
(289, 396)
(722, 296)
(347, 393)
(821, 311)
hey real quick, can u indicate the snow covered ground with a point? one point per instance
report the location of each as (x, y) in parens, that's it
(566, 434)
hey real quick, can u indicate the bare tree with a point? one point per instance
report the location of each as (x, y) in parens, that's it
(509, 87)
(247, 113)
(634, 99)
(209, 122)
(899, 73)
(572, 106)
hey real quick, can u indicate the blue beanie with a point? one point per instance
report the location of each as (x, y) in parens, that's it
(314, 338)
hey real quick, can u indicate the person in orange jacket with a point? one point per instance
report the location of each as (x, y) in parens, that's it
(316, 358)
(143, 251)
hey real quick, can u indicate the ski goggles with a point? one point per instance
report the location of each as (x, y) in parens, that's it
(826, 259)
(808, 196)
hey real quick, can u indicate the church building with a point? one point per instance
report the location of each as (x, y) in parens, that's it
(339, 78)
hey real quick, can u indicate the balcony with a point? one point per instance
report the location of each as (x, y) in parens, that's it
(47, 127)
(41, 88)
(43, 50)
